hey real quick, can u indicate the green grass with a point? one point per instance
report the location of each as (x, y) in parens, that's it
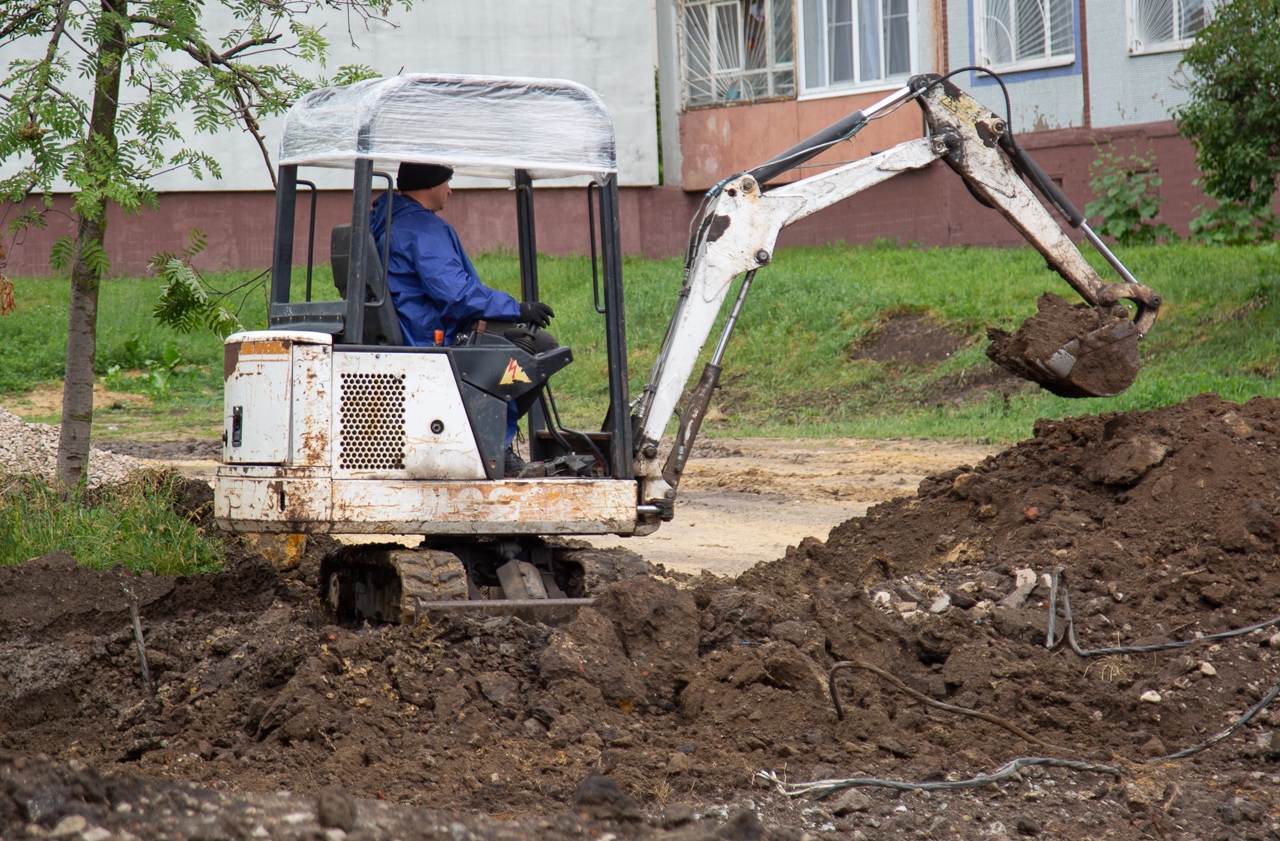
(187, 402)
(788, 370)
(132, 525)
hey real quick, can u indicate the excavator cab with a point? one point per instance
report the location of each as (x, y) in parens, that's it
(485, 359)
(520, 131)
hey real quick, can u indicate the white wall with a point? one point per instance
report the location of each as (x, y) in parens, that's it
(1127, 89)
(607, 45)
(1040, 99)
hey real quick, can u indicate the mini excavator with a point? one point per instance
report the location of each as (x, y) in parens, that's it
(334, 426)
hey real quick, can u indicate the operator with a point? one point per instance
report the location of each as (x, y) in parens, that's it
(435, 287)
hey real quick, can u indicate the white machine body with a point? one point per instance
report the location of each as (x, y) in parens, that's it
(321, 440)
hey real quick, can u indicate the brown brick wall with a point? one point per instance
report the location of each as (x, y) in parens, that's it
(931, 207)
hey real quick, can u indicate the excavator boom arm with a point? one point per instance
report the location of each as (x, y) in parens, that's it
(739, 229)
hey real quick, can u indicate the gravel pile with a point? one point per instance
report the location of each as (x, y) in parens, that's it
(31, 449)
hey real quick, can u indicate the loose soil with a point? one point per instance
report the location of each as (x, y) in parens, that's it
(1102, 367)
(909, 340)
(650, 714)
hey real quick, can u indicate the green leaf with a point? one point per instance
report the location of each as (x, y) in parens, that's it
(1127, 201)
(1232, 113)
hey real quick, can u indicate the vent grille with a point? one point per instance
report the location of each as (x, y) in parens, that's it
(372, 422)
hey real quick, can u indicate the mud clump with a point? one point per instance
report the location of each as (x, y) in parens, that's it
(1071, 351)
(651, 713)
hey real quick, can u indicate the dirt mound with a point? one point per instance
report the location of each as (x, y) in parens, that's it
(679, 692)
(908, 340)
(1165, 523)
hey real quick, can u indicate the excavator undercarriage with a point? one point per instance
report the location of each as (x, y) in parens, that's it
(546, 580)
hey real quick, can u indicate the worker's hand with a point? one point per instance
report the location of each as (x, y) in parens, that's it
(536, 313)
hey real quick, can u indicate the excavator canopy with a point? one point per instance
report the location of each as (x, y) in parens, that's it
(486, 126)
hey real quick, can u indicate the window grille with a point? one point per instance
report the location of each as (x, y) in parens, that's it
(736, 50)
(1023, 34)
(1160, 25)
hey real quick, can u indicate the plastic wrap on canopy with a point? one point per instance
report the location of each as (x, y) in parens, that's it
(486, 126)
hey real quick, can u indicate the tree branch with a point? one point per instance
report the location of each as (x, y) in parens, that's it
(59, 27)
(252, 125)
(17, 23)
(241, 81)
(225, 56)
(66, 97)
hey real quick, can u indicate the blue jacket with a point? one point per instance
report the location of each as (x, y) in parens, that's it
(432, 282)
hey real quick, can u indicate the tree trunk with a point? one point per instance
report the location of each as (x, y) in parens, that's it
(82, 342)
(100, 150)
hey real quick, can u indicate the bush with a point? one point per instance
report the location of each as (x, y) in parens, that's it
(1232, 115)
(1127, 197)
(1231, 223)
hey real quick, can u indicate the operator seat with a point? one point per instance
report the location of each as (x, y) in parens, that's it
(381, 324)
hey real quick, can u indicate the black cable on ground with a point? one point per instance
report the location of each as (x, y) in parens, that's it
(925, 699)
(1069, 635)
(1052, 643)
(1222, 734)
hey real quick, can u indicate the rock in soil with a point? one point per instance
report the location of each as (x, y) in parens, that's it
(651, 715)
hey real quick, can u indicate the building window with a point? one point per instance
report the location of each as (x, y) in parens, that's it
(1024, 34)
(851, 43)
(1162, 25)
(736, 50)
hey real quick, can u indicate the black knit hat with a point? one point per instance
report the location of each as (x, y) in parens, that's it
(421, 176)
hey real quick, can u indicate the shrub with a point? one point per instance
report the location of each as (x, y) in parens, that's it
(1127, 197)
(1232, 223)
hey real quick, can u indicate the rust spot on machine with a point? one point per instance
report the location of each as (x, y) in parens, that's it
(230, 359)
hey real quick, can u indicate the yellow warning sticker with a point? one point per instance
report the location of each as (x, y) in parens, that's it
(514, 374)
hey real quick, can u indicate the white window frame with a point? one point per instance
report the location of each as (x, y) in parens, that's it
(818, 88)
(980, 16)
(716, 71)
(1179, 42)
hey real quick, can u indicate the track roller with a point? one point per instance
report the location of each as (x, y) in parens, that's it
(390, 583)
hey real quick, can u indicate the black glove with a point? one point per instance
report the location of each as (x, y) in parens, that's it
(522, 339)
(536, 313)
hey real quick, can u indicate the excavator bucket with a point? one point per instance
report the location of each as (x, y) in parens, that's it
(1072, 351)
